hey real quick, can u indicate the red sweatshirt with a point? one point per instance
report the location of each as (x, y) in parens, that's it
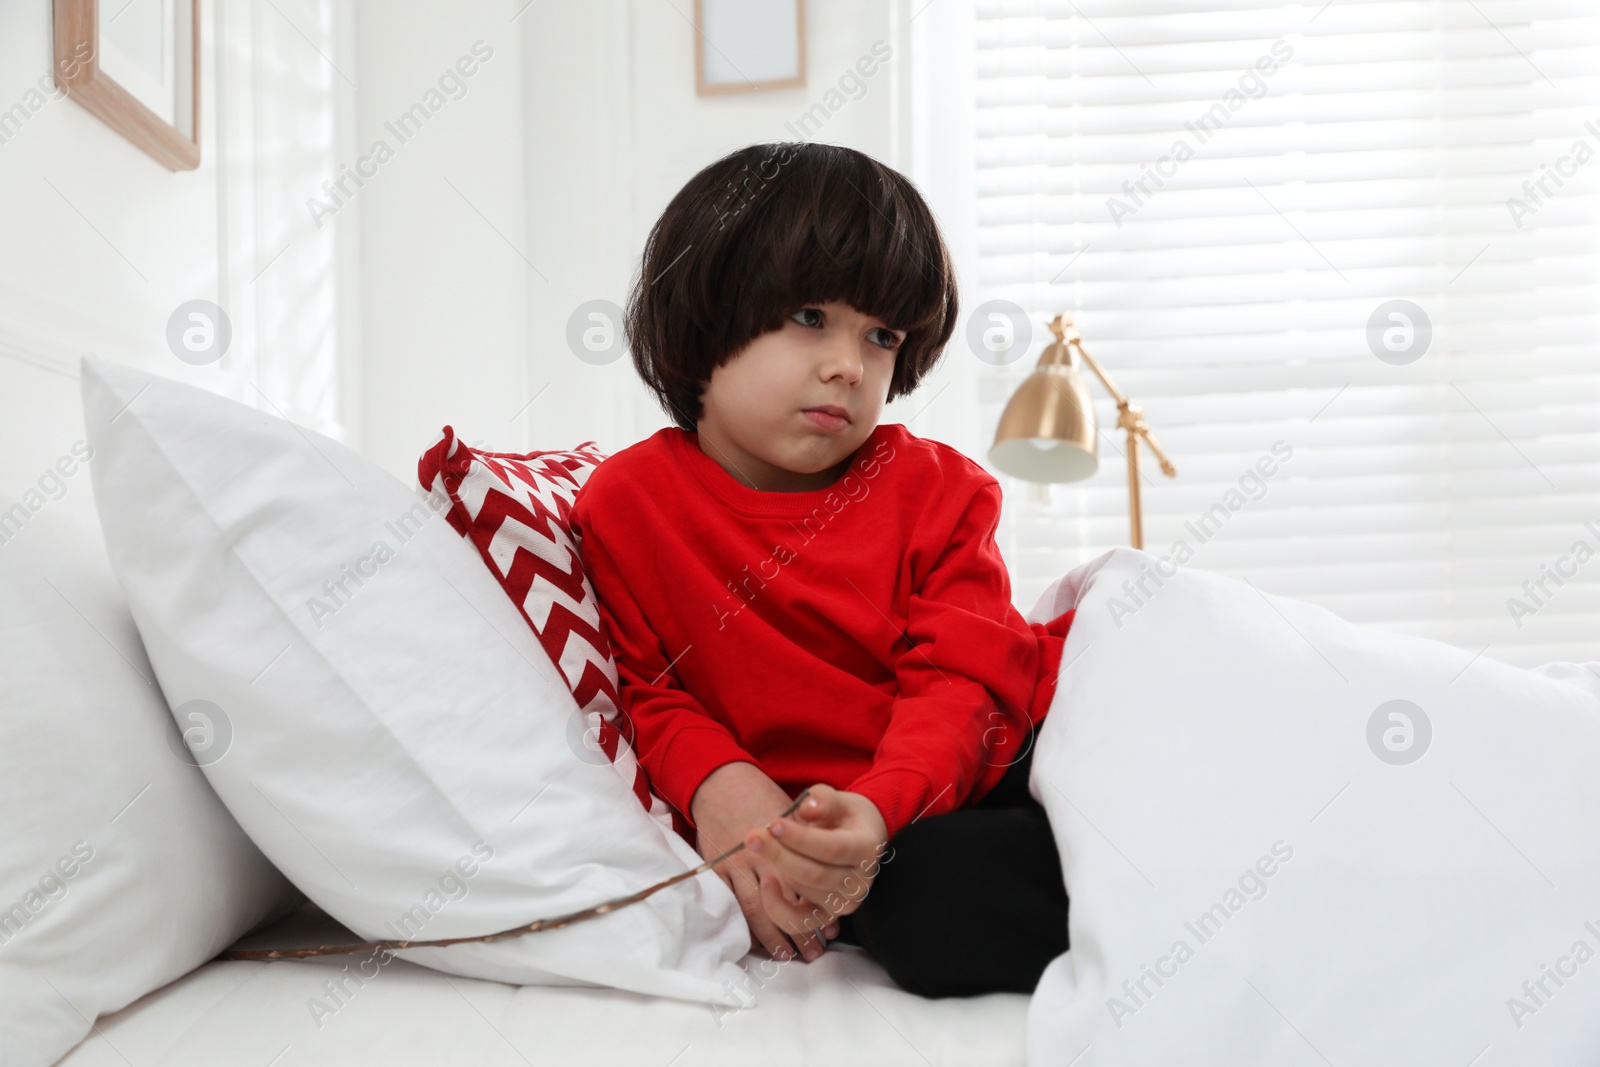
(861, 635)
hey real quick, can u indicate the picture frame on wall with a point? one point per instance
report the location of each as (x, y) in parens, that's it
(747, 46)
(135, 65)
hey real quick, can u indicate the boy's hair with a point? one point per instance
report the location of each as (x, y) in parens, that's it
(772, 228)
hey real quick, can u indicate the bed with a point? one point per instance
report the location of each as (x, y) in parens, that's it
(1288, 839)
(840, 1010)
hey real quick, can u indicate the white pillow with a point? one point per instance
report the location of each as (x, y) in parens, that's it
(1292, 840)
(399, 739)
(121, 870)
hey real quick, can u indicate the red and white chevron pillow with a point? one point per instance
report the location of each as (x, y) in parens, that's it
(514, 508)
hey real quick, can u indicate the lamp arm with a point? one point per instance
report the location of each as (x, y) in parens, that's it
(1122, 405)
(1166, 464)
(1099, 372)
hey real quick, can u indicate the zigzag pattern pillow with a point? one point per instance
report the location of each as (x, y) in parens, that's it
(514, 507)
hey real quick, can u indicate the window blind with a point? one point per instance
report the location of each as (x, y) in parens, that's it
(1362, 234)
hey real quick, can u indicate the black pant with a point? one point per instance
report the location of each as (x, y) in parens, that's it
(968, 902)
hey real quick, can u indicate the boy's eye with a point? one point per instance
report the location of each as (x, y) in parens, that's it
(885, 337)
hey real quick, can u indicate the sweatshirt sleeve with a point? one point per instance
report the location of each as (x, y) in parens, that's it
(678, 743)
(957, 645)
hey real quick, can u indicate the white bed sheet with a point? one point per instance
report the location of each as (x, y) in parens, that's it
(841, 1010)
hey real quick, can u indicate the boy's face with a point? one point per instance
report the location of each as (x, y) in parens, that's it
(755, 422)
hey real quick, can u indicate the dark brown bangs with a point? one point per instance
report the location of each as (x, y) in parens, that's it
(772, 228)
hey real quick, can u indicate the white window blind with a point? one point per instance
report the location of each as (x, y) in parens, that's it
(1370, 152)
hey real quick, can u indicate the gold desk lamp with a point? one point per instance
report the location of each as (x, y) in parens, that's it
(1048, 431)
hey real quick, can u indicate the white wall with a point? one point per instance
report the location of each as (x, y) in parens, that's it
(439, 289)
(443, 226)
(101, 243)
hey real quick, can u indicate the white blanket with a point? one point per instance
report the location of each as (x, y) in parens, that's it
(1291, 840)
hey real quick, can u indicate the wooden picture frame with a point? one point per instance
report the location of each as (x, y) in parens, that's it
(78, 71)
(760, 43)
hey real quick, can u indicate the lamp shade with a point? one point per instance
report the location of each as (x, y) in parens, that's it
(1048, 431)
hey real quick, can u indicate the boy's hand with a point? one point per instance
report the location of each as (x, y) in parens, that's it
(733, 800)
(824, 856)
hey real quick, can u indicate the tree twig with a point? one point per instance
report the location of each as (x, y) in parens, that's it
(533, 927)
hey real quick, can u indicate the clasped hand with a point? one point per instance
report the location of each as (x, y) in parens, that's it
(796, 874)
(822, 859)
